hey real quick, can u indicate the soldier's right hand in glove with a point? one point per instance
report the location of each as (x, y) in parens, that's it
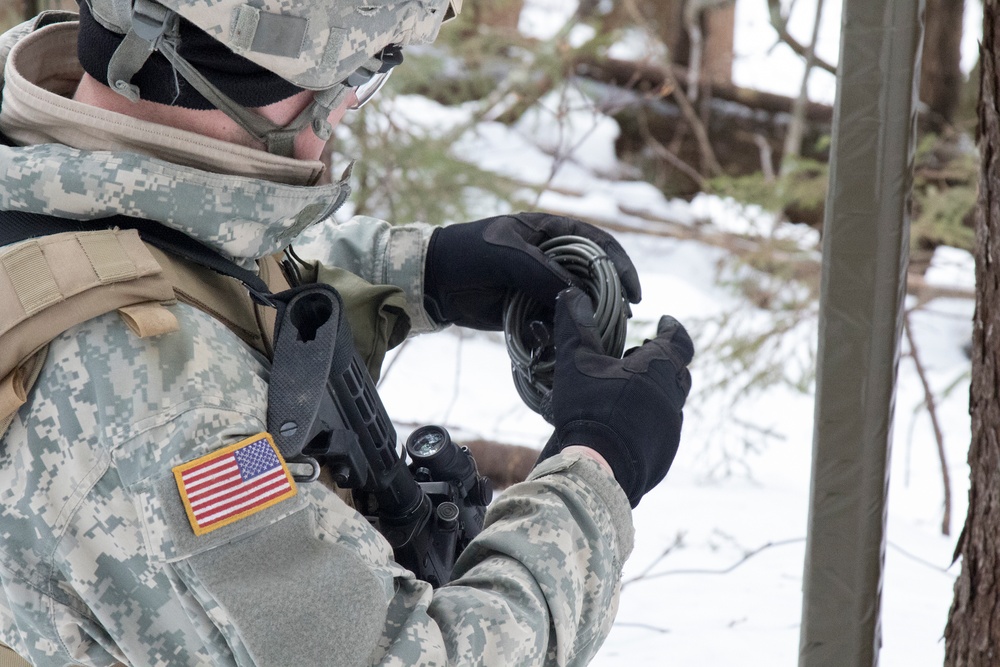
(629, 410)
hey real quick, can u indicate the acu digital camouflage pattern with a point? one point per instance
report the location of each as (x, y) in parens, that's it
(242, 218)
(98, 563)
(321, 41)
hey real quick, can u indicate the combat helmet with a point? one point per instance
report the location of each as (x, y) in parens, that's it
(327, 46)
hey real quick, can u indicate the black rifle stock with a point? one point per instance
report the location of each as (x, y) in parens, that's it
(323, 406)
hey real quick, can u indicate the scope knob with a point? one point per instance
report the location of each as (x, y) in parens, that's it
(447, 515)
(482, 492)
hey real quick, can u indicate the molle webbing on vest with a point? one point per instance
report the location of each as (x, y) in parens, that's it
(8, 658)
(50, 284)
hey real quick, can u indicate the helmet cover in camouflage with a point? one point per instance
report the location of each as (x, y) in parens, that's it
(314, 44)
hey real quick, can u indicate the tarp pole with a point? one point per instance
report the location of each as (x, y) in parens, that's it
(865, 254)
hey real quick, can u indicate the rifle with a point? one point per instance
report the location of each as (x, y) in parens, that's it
(324, 411)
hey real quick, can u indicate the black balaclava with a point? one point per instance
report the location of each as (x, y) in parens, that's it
(247, 83)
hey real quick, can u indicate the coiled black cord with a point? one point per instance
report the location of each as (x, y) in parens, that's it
(528, 330)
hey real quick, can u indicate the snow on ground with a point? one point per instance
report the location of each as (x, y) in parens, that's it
(716, 575)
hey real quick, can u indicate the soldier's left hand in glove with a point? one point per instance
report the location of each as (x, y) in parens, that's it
(471, 267)
(629, 410)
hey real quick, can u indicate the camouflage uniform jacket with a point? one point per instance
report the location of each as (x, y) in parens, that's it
(98, 561)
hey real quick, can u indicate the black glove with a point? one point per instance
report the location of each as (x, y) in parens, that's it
(629, 409)
(471, 267)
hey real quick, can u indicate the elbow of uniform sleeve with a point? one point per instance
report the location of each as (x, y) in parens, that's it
(602, 493)
(554, 546)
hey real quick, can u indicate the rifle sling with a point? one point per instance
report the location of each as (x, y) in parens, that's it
(18, 226)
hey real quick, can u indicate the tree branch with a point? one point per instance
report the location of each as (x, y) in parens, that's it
(726, 570)
(669, 156)
(799, 265)
(701, 134)
(932, 411)
(780, 23)
(796, 127)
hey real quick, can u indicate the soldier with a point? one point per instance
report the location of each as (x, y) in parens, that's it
(208, 117)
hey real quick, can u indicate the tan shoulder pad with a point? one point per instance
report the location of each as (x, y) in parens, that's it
(51, 284)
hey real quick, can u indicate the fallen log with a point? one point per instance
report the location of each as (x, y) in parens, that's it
(650, 78)
(504, 464)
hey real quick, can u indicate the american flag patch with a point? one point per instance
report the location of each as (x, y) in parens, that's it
(233, 483)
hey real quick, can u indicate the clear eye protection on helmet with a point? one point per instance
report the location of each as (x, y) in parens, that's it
(367, 82)
(367, 90)
(454, 9)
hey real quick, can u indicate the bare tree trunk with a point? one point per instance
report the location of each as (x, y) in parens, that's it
(710, 25)
(503, 14)
(941, 74)
(972, 636)
(664, 17)
(504, 464)
(720, 31)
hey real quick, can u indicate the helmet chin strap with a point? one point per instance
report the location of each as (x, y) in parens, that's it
(280, 140)
(155, 28)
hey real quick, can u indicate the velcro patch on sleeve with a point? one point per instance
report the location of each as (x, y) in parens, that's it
(233, 483)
